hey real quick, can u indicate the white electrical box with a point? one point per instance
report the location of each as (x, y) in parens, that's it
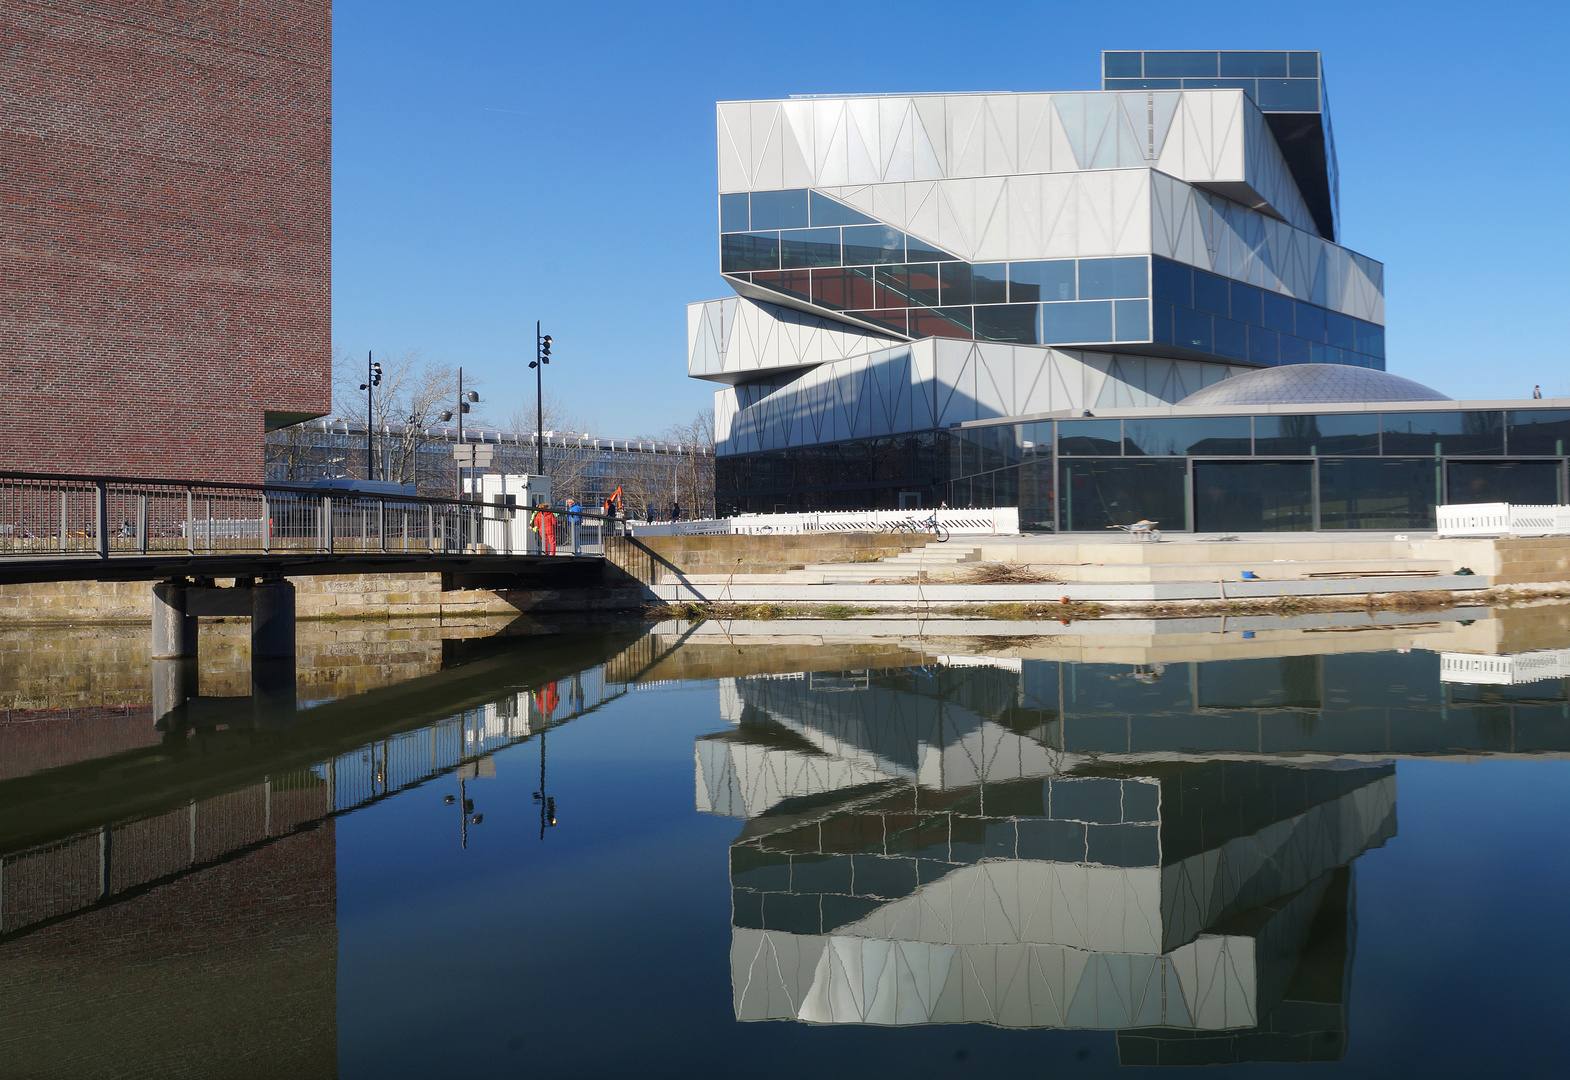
(507, 520)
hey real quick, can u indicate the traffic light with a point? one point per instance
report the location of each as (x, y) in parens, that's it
(545, 348)
(376, 374)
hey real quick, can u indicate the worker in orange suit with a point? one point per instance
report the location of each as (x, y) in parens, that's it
(545, 525)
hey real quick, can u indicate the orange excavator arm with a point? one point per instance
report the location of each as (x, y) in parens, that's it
(614, 500)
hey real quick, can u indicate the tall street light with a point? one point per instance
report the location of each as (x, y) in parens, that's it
(542, 356)
(373, 378)
(463, 407)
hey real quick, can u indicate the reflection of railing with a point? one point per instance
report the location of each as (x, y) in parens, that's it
(44, 516)
(1504, 670)
(53, 880)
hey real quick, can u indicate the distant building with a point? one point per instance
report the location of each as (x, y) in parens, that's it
(936, 292)
(650, 472)
(165, 288)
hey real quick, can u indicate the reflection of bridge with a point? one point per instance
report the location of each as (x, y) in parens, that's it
(1165, 852)
(272, 794)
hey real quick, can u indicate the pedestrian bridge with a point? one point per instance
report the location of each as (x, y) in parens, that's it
(185, 534)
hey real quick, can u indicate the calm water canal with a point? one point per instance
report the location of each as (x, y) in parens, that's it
(775, 850)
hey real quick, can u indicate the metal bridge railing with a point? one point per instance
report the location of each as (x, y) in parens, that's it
(42, 515)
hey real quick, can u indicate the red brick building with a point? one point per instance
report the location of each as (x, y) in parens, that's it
(164, 232)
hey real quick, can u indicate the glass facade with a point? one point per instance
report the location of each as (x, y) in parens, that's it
(1275, 81)
(810, 248)
(1209, 315)
(1218, 473)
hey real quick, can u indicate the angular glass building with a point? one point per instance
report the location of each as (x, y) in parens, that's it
(1032, 300)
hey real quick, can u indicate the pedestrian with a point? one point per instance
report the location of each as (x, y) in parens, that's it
(1537, 393)
(574, 520)
(545, 527)
(675, 510)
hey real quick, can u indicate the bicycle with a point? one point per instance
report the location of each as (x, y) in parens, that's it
(922, 525)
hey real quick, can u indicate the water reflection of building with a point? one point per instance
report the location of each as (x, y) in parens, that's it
(922, 846)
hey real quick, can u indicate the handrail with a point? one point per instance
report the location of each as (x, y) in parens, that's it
(44, 514)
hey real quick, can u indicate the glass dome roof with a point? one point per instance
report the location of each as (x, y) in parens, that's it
(1311, 384)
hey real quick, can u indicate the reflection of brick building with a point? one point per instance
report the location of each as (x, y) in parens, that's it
(228, 971)
(165, 270)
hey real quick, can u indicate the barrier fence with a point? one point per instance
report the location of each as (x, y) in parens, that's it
(1000, 521)
(1502, 519)
(113, 516)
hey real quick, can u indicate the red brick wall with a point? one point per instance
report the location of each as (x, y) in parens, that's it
(164, 231)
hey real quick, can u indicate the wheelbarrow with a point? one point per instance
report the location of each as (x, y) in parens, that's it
(1143, 530)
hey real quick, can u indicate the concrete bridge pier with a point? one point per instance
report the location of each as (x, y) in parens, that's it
(268, 603)
(174, 624)
(174, 683)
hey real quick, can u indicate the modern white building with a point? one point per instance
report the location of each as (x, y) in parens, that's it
(922, 281)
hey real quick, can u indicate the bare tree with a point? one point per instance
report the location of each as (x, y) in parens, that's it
(566, 463)
(695, 469)
(413, 392)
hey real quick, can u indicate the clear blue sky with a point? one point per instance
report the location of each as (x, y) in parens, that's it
(497, 163)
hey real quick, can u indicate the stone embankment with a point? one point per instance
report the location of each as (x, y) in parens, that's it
(1075, 576)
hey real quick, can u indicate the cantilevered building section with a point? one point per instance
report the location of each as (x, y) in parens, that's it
(906, 264)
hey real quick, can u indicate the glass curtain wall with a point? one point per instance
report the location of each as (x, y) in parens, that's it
(1236, 473)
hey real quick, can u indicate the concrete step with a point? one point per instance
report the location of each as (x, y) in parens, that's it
(1304, 570)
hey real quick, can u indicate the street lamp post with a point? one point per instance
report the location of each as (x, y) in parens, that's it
(373, 378)
(542, 356)
(463, 407)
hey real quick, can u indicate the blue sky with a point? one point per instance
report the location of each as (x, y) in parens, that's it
(497, 163)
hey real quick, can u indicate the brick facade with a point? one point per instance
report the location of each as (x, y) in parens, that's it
(164, 232)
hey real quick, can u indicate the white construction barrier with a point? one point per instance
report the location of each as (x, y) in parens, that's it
(1504, 670)
(1502, 519)
(1000, 521)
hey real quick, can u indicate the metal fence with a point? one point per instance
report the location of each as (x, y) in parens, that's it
(43, 515)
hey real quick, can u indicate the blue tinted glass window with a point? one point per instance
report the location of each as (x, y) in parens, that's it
(1086, 321)
(810, 247)
(1172, 282)
(1131, 320)
(991, 282)
(920, 249)
(733, 212)
(1265, 65)
(1032, 281)
(1305, 65)
(1111, 279)
(1370, 338)
(1264, 346)
(1211, 293)
(1120, 65)
(1543, 431)
(827, 211)
(1444, 433)
(1231, 339)
(1349, 433)
(1218, 435)
(1191, 329)
(749, 251)
(1142, 84)
(1180, 64)
(1289, 95)
(1294, 350)
(1310, 322)
(958, 283)
(1247, 303)
(779, 209)
(872, 244)
(1277, 312)
(1161, 322)
(1090, 437)
(1248, 86)
(1338, 330)
(1006, 322)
